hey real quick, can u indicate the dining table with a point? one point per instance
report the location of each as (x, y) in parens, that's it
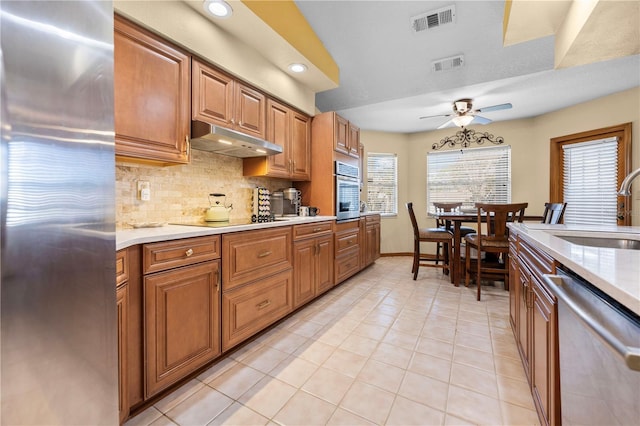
(457, 218)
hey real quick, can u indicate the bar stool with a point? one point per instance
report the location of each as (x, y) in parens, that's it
(429, 235)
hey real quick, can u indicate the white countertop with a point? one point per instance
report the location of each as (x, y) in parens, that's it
(128, 237)
(614, 271)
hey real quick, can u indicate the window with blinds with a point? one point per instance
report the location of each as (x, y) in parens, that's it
(590, 180)
(382, 183)
(469, 176)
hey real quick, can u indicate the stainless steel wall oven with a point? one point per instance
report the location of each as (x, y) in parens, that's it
(347, 191)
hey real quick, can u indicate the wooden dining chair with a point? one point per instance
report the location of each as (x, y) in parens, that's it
(441, 223)
(553, 213)
(429, 235)
(494, 219)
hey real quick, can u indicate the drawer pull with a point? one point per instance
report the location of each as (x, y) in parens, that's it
(349, 241)
(263, 304)
(317, 229)
(188, 252)
(264, 254)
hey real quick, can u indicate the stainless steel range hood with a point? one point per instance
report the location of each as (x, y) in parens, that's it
(208, 137)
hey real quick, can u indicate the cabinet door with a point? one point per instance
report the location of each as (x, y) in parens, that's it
(543, 336)
(342, 135)
(353, 141)
(523, 320)
(182, 317)
(122, 297)
(212, 95)
(151, 96)
(324, 264)
(300, 146)
(514, 293)
(250, 111)
(278, 132)
(304, 261)
(373, 243)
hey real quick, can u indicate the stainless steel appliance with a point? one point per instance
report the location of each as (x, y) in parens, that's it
(57, 219)
(347, 191)
(291, 202)
(207, 137)
(277, 204)
(599, 344)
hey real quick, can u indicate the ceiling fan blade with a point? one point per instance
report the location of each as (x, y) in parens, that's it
(495, 108)
(480, 120)
(434, 116)
(445, 124)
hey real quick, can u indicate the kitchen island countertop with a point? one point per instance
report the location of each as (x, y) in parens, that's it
(614, 271)
(128, 237)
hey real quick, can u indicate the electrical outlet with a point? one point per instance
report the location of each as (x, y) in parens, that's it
(144, 190)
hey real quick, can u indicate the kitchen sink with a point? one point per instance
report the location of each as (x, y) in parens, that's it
(608, 242)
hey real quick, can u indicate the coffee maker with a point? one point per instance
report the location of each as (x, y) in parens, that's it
(291, 202)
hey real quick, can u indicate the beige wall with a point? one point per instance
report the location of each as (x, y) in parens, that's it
(529, 140)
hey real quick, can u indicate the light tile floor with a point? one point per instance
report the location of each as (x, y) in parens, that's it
(378, 349)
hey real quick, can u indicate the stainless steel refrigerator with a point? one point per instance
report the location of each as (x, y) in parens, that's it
(58, 347)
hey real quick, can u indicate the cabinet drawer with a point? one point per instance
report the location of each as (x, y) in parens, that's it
(345, 242)
(251, 255)
(372, 218)
(539, 262)
(347, 265)
(312, 229)
(172, 254)
(122, 267)
(250, 308)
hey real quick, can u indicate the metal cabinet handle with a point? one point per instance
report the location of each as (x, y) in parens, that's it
(317, 229)
(264, 254)
(188, 252)
(263, 304)
(604, 325)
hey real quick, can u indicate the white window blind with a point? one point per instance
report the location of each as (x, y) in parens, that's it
(382, 183)
(590, 180)
(469, 176)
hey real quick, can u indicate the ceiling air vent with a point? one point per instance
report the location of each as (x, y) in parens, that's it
(433, 19)
(448, 63)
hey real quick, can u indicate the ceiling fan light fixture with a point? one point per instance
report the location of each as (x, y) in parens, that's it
(218, 8)
(462, 120)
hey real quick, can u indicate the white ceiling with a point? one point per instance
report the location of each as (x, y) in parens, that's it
(386, 82)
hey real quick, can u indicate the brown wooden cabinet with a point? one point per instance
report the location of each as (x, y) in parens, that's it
(122, 306)
(347, 137)
(218, 98)
(151, 96)
(347, 249)
(533, 315)
(312, 261)
(257, 282)
(292, 131)
(181, 309)
(372, 238)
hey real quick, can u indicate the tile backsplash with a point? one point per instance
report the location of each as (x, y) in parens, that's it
(181, 193)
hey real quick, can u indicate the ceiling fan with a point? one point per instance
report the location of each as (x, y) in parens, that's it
(464, 114)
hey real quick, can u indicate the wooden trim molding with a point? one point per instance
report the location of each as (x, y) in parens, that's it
(621, 131)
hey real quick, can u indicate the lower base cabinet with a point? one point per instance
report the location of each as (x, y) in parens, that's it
(250, 308)
(123, 393)
(534, 317)
(182, 322)
(312, 262)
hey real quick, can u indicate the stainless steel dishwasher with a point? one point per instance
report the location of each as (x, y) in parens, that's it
(599, 344)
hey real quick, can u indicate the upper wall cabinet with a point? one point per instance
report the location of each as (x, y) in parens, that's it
(151, 96)
(347, 137)
(218, 98)
(292, 131)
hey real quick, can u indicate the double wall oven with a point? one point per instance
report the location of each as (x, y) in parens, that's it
(347, 191)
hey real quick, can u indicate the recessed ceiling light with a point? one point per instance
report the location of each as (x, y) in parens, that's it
(218, 8)
(298, 67)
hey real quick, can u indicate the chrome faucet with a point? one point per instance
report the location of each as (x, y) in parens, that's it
(625, 188)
